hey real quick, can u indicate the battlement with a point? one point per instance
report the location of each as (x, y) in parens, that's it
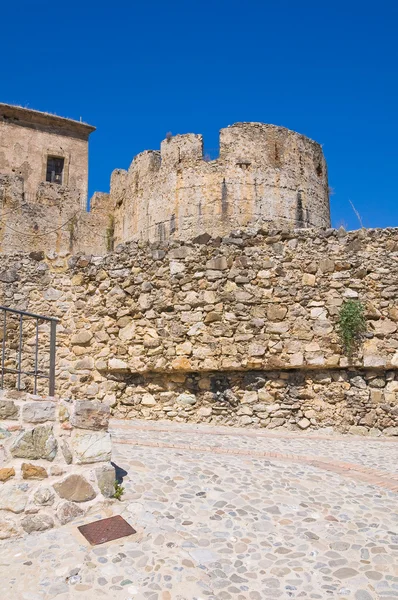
(265, 174)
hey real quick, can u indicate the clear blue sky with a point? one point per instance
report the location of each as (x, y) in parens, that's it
(137, 70)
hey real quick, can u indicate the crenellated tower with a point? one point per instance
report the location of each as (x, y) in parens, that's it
(264, 176)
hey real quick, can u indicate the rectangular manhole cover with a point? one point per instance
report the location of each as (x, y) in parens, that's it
(106, 530)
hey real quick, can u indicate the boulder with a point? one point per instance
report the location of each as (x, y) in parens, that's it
(34, 444)
(75, 488)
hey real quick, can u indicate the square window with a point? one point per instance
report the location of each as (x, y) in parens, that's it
(55, 169)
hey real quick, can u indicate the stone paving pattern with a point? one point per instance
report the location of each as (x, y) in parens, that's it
(236, 523)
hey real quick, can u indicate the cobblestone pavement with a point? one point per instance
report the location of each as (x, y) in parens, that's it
(228, 514)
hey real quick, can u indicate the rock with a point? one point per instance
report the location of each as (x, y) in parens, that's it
(148, 400)
(30, 471)
(83, 338)
(118, 365)
(358, 430)
(35, 444)
(176, 267)
(106, 480)
(308, 279)
(276, 312)
(66, 451)
(90, 415)
(44, 496)
(304, 423)
(384, 327)
(92, 447)
(7, 473)
(9, 276)
(8, 410)
(372, 360)
(7, 529)
(358, 382)
(256, 350)
(67, 511)
(217, 264)
(13, 497)
(205, 411)
(391, 431)
(4, 433)
(189, 399)
(181, 252)
(39, 412)
(75, 488)
(52, 294)
(37, 255)
(127, 333)
(37, 523)
(348, 293)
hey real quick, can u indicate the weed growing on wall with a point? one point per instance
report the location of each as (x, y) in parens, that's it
(351, 325)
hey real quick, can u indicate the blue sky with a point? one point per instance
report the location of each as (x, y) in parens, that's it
(137, 70)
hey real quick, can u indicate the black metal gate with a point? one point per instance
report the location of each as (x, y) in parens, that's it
(28, 350)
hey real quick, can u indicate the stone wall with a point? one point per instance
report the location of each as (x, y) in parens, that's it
(148, 324)
(264, 175)
(52, 220)
(54, 461)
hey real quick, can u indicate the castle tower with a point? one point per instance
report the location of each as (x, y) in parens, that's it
(265, 176)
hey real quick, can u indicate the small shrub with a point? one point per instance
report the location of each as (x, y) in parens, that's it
(119, 491)
(351, 325)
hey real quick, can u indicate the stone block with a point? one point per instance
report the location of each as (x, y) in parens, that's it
(30, 471)
(90, 415)
(106, 480)
(217, 264)
(148, 400)
(67, 511)
(6, 473)
(82, 338)
(13, 497)
(34, 444)
(8, 410)
(7, 529)
(44, 496)
(39, 412)
(75, 488)
(189, 399)
(40, 522)
(92, 447)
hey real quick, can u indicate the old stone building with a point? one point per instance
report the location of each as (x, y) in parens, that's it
(265, 175)
(44, 148)
(44, 185)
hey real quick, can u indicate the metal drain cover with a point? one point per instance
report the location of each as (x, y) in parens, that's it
(106, 530)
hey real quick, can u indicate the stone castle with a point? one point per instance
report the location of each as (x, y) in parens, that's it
(265, 175)
(199, 290)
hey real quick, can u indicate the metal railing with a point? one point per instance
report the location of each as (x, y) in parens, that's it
(21, 328)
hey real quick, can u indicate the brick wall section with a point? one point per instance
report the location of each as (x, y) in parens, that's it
(54, 461)
(165, 319)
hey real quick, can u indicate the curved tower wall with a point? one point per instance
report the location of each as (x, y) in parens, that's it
(265, 175)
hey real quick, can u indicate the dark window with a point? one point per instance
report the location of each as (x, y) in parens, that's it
(55, 169)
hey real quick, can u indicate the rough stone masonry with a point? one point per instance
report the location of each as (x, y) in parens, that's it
(54, 461)
(239, 330)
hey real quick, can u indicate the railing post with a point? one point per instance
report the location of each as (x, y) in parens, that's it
(53, 343)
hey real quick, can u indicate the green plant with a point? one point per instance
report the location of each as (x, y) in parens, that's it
(119, 491)
(351, 325)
